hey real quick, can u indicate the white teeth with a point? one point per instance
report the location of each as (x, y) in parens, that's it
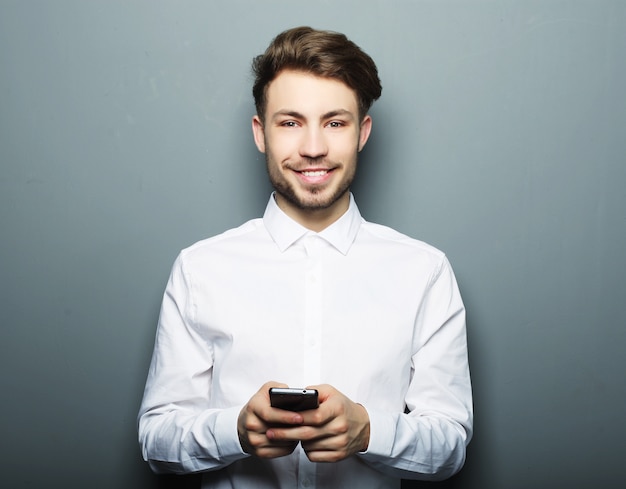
(314, 173)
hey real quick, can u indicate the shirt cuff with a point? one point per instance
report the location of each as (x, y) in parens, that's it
(382, 435)
(226, 432)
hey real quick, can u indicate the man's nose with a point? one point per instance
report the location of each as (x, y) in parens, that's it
(314, 144)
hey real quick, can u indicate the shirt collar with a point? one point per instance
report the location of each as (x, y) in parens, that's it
(285, 231)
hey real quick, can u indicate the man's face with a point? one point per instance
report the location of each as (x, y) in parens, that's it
(311, 136)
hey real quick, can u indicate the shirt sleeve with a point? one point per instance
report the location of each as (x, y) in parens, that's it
(177, 431)
(429, 441)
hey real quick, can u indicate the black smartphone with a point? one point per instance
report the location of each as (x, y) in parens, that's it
(293, 399)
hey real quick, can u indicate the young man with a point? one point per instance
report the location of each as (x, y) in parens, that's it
(311, 295)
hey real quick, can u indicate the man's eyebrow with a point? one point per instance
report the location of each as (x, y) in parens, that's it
(338, 112)
(287, 113)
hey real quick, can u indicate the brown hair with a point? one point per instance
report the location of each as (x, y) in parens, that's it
(322, 53)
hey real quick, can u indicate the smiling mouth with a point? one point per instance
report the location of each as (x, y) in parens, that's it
(316, 173)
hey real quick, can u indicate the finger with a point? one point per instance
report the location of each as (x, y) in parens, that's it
(325, 442)
(260, 445)
(326, 456)
(324, 391)
(276, 417)
(276, 434)
(327, 449)
(318, 417)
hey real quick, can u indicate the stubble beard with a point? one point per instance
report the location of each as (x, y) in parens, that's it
(310, 198)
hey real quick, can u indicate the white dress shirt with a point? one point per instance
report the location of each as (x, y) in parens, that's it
(372, 312)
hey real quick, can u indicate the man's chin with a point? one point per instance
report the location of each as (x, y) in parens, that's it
(313, 200)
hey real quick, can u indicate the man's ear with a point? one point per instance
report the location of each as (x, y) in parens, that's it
(365, 130)
(259, 133)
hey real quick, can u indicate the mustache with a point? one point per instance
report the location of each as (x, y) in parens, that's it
(309, 161)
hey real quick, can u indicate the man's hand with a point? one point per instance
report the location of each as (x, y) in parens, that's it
(257, 417)
(334, 431)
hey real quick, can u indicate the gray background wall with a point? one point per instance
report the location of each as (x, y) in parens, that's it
(500, 138)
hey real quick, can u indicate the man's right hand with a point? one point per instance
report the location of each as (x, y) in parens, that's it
(257, 417)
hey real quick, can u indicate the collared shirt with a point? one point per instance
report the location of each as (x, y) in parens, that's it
(359, 306)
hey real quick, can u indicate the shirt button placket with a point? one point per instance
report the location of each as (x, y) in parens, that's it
(306, 476)
(313, 312)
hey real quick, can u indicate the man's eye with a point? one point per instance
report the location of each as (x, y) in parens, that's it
(335, 124)
(289, 124)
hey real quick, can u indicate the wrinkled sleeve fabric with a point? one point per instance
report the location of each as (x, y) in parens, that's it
(429, 441)
(178, 432)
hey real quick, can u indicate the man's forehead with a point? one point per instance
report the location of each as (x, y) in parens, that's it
(296, 90)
